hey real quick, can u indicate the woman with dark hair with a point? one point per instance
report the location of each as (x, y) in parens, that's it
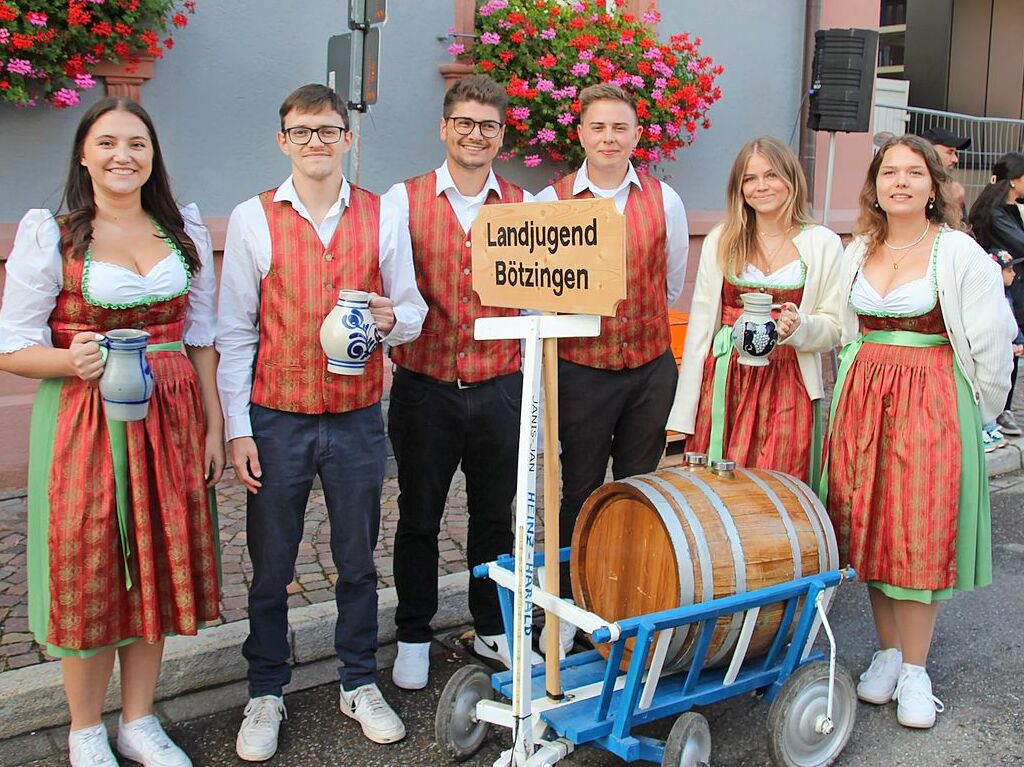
(927, 358)
(122, 532)
(761, 416)
(997, 225)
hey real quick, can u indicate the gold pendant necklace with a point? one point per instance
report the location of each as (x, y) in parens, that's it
(769, 258)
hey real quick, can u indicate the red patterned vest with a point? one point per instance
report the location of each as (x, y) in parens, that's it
(442, 253)
(639, 331)
(297, 293)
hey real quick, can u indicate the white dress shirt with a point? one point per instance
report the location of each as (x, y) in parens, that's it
(247, 256)
(35, 276)
(677, 234)
(466, 209)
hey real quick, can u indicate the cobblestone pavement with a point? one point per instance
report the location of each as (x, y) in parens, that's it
(315, 575)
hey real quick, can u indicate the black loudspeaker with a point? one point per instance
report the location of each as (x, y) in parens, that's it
(842, 80)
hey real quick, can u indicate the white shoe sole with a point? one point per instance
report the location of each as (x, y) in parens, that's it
(133, 755)
(409, 684)
(917, 724)
(377, 736)
(252, 756)
(878, 700)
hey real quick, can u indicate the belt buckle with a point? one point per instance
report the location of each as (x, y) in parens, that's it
(461, 385)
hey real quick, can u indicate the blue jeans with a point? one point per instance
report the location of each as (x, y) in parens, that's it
(348, 452)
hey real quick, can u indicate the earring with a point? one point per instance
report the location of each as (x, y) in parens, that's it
(931, 204)
(876, 205)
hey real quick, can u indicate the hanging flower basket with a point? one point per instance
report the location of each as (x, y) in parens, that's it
(50, 49)
(547, 51)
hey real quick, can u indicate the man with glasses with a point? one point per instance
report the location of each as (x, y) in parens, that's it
(454, 400)
(287, 254)
(615, 390)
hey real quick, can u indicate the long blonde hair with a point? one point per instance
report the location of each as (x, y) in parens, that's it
(738, 240)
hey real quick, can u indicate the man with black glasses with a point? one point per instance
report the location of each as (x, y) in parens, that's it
(288, 252)
(454, 400)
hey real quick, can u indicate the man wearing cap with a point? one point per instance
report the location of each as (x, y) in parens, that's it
(948, 145)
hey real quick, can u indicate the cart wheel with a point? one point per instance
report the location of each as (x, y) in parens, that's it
(794, 737)
(689, 742)
(456, 728)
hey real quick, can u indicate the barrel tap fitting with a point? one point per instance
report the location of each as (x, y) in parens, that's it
(724, 468)
(695, 461)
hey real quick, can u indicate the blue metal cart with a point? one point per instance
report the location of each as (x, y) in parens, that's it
(813, 699)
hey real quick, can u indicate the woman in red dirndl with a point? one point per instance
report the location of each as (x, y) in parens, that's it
(122, 526)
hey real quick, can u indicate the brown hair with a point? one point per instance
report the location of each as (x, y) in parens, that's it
(738, 238)
(314, 98)
(79, 197)
(604, 92)
(873, 223)
(479, 88)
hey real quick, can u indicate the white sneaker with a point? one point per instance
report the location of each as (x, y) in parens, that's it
(412, 666)
(367, 706)
(878, 683)
(495, 647)
(89, 747)
(566, 638)
(144, 741)
(917, 706)
(257, 737)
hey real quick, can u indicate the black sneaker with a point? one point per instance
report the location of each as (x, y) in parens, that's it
(1008, 424)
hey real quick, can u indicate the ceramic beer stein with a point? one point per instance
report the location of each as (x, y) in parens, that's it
(127, 381)
(348, 334)
(754, 335)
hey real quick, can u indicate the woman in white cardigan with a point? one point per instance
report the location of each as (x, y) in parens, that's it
(928, 357)
(761, 416)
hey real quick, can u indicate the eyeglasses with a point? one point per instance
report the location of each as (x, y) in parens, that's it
(464, 126)
(329, 134)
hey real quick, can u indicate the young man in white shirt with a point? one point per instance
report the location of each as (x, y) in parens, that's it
(615, 390)
(287, 254)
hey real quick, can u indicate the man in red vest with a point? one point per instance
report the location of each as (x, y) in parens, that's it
(615, 390)
(454, 400)
(287, 254)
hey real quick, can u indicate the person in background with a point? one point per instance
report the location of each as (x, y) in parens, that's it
(122, 532)
(996, 224)
(949, 146)
(993, 436)
(767, 417)
(927, 361)
(288, 252)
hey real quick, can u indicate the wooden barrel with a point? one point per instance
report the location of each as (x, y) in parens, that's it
(690, 534)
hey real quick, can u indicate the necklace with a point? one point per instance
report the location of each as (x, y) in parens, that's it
(769, 258)
(927, 227)
(908, 248)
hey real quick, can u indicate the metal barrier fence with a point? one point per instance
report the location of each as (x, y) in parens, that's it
(990, 138)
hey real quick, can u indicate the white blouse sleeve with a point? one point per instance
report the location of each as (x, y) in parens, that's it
(201, 317)
(34, 278)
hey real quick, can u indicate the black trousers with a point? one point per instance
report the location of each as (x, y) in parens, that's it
(348, 451)
(435, 427)
(1013, 384)
(602, 414)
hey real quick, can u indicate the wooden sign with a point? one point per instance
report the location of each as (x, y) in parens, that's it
(567, 256)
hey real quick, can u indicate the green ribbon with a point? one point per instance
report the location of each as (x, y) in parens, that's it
(721, 347)
(973, 480)
(117, 433)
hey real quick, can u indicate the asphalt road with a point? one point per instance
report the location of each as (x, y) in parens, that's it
(977, 665)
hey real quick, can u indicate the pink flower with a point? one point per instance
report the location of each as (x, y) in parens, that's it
(637, 81)
(490, 38)
(653, 130)
(566, 117)
(548, 34)
(5, 35)
(84, 81)
(456, 49)
(578, 7)
(19, 66)
(544, 85)
(65, 97)
(520, 113)
(653, 53)
(546, 135)
(532, 160)
(652, 17)
(693, 66)
(37, 18)
(491, 6)
(660, 82)
(580, 68)
(586, 55)
(506, 156)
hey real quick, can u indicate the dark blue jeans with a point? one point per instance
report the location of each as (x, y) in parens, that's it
(348, 452)
(435, 427)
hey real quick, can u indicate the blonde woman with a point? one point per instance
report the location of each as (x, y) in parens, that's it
(761, 416)
(927, 360)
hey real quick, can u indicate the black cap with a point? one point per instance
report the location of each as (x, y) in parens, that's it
(938, 135)
(1003, 257)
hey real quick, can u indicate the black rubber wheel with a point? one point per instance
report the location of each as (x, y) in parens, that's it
(456, 728)
(793, 719)
(689, 742)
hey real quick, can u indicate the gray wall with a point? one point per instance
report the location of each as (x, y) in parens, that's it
(215, 98)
